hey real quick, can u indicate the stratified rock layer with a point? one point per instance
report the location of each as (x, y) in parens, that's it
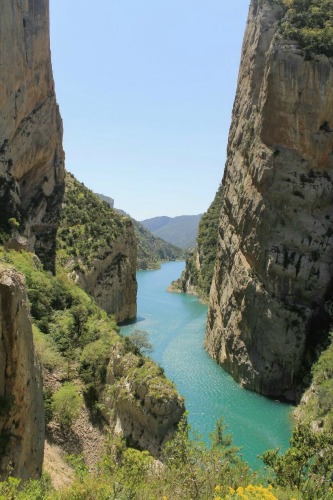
(273, 271)
(21, 395)
(31, 154)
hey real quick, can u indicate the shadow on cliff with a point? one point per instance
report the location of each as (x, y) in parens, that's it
(133, 321)
(319, 328)
(46, 232)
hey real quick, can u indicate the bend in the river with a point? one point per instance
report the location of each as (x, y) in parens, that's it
(176, 326)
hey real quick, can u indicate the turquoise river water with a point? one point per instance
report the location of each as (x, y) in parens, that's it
(176, 326)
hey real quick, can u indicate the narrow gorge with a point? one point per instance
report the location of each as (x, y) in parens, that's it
(86, 406)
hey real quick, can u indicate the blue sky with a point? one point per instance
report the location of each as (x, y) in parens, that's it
(145, 89)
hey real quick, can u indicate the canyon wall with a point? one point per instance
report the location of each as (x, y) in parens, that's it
(273, 270)
(111, 280)
(140, 402)
(31, 154)
(22, 426)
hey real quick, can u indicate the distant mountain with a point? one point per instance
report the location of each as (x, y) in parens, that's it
(152, 250)
(156, 223)
(180, 231)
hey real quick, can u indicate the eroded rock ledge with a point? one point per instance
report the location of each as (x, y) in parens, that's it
(140, 401)
(22, 426)
(274, 270)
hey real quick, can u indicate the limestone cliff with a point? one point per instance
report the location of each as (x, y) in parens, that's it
(31, 154)
(273, 271)
(141, 402)
(21, 394)
(97, 247)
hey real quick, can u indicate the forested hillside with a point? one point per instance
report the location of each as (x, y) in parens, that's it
(180, 231)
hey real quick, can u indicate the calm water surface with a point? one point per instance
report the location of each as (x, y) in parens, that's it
(176, 326)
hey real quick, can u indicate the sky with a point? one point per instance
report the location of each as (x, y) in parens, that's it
(146, 89)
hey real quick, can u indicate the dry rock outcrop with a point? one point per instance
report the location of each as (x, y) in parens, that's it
(111, 279)
(31, 154)
(273, 271)
(22, 426)
(140, 402)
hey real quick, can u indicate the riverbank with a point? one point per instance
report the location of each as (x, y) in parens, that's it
(175, 323)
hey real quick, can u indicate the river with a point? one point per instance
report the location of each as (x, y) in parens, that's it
(176, 327)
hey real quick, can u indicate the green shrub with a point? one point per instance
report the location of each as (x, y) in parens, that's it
(206, 248)
(66, 405)
(88, 227)
(77, 463)
(309, 22)
(138, 341)
(13, 223)
(94, 361)
(15, 489)
(306, 465)
(46, 351)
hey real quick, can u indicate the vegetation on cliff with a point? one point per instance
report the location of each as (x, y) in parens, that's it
(192, 470)
(152, 250)
(180, 231)
(88, 227)
(200, 265)
(309, 22)
(65, 319)
(316, 407)
(76, 339)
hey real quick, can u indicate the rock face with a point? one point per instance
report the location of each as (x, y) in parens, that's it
(111, 280)
(145, 406)
(274, 269)
(21, 395)
(97, 247)
(31, 154)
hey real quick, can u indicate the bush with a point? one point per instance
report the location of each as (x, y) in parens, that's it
(306, 465)
(309, 22)
(206, 249)
(139, 341)
(66, 405)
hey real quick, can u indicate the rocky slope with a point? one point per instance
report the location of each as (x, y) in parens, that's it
(273, 272)
(22, 426)
(144, 406)
(31, 154)
(97, 247)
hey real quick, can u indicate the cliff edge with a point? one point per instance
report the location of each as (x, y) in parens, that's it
(273, 272)
(31, 153)
(22, 426)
